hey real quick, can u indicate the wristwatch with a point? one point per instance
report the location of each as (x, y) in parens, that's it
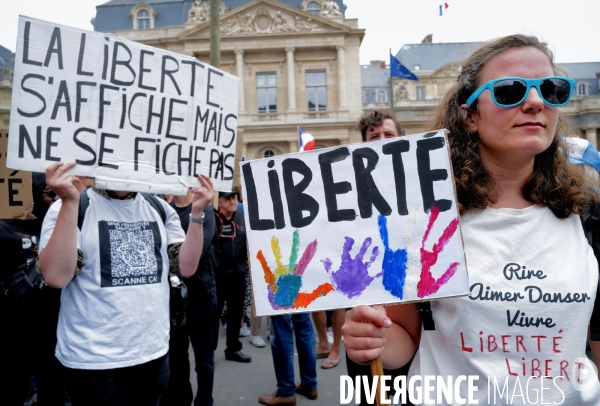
(198, 220)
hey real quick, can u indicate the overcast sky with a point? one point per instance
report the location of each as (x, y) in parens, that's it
(570, 27)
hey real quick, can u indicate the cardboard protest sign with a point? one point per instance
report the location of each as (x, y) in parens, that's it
(370, 223)
(16, 201)
(132, 116)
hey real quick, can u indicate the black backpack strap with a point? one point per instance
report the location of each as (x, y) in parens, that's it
(156, 206)
(84, 202)
(424, 310)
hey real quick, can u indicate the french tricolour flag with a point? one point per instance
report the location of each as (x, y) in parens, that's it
(306, 142)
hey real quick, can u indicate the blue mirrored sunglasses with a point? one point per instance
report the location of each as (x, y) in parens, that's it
(509, 92)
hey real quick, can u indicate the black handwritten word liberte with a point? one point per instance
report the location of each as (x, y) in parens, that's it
(367, 194)
(219, 126)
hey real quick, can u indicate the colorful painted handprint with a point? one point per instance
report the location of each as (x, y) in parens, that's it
(428, 285)
(394, 263)
(352, 277)
(284, 284)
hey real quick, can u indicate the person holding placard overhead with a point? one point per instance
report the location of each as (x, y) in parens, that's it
(532, 273)
(113, 329)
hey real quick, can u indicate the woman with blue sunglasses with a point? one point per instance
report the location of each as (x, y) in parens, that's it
(532, 273)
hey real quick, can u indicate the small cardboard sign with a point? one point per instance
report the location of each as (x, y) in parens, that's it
(16, 201)
(370, 223)
(134, 117)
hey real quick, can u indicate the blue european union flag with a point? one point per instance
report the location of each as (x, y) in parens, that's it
(397, 70)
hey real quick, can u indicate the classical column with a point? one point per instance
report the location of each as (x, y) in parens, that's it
(342, 77)
(244, 151)
(590, 135)
(239, 64)
(293, 146)
(289, 57)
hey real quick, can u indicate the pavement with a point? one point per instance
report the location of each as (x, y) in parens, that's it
(241, 384)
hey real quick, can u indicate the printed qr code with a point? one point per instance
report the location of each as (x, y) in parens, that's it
(132, 253)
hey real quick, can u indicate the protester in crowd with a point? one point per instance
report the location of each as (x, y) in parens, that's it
(28, 310)
(518, 200)
(283, 330)
(201, 313)
(255, 321)
(331, 352)
(230, 275)
(373, 126)
(113, 329)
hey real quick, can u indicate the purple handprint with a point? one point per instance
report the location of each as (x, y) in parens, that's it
(352, 278)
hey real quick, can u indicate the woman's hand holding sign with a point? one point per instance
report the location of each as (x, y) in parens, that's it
(368, 329)
(364, 341)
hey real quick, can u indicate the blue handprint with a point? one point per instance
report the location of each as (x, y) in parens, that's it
(352, 277)
(394, 263)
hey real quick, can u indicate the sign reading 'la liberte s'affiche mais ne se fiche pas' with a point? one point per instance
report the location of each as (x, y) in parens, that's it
(132, 116)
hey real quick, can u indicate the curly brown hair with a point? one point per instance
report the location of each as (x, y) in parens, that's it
(554, 182)
(376, 117)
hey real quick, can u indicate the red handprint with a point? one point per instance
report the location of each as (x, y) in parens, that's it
(428, 285)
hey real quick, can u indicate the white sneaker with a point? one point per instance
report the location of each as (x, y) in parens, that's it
(244, 331)
(330, 337)
(257, 341)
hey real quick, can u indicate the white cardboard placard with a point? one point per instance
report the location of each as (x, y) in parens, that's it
(370, 223)
(133, 116)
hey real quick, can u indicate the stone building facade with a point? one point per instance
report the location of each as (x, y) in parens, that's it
(298, 61)
(438, 65)
(7, 67)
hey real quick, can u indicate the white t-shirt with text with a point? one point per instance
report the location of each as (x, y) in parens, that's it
(533, 280)
(115, 313)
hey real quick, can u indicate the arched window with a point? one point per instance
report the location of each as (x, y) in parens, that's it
(143, 16)
(382, 96)
(582, 89)
(268, 153)
(143, 19)
(314, 8)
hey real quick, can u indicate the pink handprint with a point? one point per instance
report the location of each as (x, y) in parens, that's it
(428, 285)
(352, 277)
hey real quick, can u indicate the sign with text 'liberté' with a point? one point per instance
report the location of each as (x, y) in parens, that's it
(134, 117)
(16, 200)
(370, 223)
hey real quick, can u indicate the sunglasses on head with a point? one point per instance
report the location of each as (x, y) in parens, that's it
(509, 92)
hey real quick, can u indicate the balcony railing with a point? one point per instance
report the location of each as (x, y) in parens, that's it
(317, 115)
(265, 117)
(292, 117)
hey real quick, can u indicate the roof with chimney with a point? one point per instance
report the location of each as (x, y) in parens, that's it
(114, 15)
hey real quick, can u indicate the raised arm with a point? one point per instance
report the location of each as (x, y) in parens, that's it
(59, 257)
(392, 332)
(191, 249)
